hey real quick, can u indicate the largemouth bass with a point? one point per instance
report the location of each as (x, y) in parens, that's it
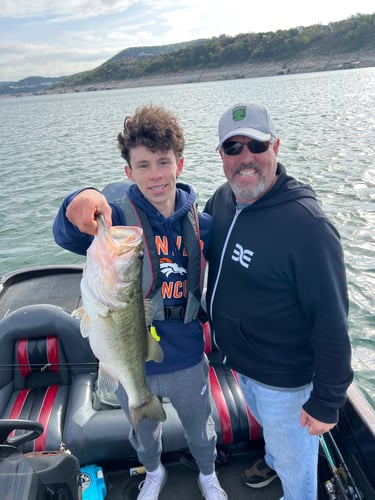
(113, 317)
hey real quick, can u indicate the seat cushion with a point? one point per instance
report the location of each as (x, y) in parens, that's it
(46, 405)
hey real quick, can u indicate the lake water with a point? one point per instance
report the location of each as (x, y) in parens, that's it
(51, 145)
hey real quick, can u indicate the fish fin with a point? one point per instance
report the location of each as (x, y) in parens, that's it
(147, 303)
(151, 409)
(154, 351)
(106, 383)
(105, 312)
(78, 313)
(81, 315)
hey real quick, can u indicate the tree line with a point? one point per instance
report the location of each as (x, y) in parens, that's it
(349, 35)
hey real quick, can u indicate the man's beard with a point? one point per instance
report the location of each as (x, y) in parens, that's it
(246, 192)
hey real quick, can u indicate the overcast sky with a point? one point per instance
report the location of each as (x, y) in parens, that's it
(63, 37)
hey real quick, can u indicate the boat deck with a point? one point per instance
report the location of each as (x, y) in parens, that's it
(182, 481)
(60, 286)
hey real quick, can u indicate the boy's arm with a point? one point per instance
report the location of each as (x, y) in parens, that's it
(75, 224)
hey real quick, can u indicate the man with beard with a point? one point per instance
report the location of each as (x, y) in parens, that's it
(277, 300)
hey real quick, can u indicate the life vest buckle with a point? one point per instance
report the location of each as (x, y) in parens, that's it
(174, 312)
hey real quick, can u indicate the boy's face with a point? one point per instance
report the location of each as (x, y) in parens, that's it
(155, 175)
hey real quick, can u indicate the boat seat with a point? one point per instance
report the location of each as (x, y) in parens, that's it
(233, 418)
(98, 432)
(43, 357)
(96, 435)
(49, 373)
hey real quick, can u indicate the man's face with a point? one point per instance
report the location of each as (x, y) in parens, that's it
(250, 175)
(156, 174)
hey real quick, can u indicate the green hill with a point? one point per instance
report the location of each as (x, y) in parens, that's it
(347, 43)
(283, 46)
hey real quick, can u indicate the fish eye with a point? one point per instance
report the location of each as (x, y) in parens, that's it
(140, 255)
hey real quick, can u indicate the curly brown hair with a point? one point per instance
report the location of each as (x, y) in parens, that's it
(153, 127)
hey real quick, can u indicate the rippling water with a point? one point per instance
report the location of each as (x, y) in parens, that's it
(51, 145)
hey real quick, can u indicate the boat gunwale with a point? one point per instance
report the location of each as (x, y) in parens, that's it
(28, 273)
(362, 407)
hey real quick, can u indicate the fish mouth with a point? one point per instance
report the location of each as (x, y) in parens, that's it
(117, 241)
(128, 240)
(127, 235)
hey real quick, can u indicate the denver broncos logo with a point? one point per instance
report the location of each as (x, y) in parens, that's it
(168, 267)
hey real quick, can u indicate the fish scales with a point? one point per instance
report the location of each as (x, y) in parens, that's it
(114, 317)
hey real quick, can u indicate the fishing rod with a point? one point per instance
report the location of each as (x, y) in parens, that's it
(356, 493)
(342, 485)
(336, 484)
(46, 366)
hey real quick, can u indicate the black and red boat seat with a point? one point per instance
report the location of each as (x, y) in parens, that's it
(48, 374)
(41, 360)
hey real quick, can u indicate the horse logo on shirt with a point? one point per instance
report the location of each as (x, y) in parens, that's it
(168, 267)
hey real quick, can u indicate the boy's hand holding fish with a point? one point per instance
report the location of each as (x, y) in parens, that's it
(85, 208)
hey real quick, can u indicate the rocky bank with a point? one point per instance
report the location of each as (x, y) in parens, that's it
(329, 62)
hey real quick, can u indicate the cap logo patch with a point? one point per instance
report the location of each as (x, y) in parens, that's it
(239, 113)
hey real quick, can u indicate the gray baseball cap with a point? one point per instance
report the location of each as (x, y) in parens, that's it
(251, 120)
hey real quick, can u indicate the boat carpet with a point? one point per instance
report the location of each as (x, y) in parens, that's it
(182, 480)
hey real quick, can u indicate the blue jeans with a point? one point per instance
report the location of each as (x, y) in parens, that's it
(289, 449)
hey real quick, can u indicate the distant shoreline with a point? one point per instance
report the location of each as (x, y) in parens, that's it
(331, 61)
(328, 62)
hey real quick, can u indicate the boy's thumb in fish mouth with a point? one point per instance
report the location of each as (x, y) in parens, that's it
(105, 211)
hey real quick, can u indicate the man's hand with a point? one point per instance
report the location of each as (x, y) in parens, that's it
(85, 207)
(313, 426)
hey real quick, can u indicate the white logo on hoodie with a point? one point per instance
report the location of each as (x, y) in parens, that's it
(241, 255)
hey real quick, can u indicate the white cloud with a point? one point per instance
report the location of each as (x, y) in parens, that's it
(62, 9)
(56, 38)
(38, 60)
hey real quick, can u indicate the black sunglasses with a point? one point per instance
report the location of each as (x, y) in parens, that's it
(234, 148)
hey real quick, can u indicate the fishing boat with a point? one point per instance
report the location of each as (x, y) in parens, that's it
(49, 406)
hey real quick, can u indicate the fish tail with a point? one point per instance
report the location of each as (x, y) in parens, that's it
(151, 409)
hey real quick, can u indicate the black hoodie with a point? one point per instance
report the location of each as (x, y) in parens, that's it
(277, 293)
